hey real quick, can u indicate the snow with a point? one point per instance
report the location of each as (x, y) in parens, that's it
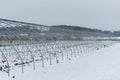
(103, 64)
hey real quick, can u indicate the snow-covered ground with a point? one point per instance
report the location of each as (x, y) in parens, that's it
(103, 64)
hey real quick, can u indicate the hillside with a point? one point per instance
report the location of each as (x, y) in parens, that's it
(60, 32)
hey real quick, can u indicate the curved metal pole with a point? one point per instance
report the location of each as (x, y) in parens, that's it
(33, 59)
(5, 58)
(22, 62)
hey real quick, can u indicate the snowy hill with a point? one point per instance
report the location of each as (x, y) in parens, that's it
(14, 29)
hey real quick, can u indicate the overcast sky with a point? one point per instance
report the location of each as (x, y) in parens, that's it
(100, 14)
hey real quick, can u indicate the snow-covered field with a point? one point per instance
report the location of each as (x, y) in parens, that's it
(102, 64)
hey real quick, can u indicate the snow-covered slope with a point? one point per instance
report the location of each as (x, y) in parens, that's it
(103, 64)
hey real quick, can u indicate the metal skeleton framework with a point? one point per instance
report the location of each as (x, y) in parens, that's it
(19, 52)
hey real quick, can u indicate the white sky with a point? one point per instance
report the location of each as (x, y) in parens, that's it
(100, 14)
